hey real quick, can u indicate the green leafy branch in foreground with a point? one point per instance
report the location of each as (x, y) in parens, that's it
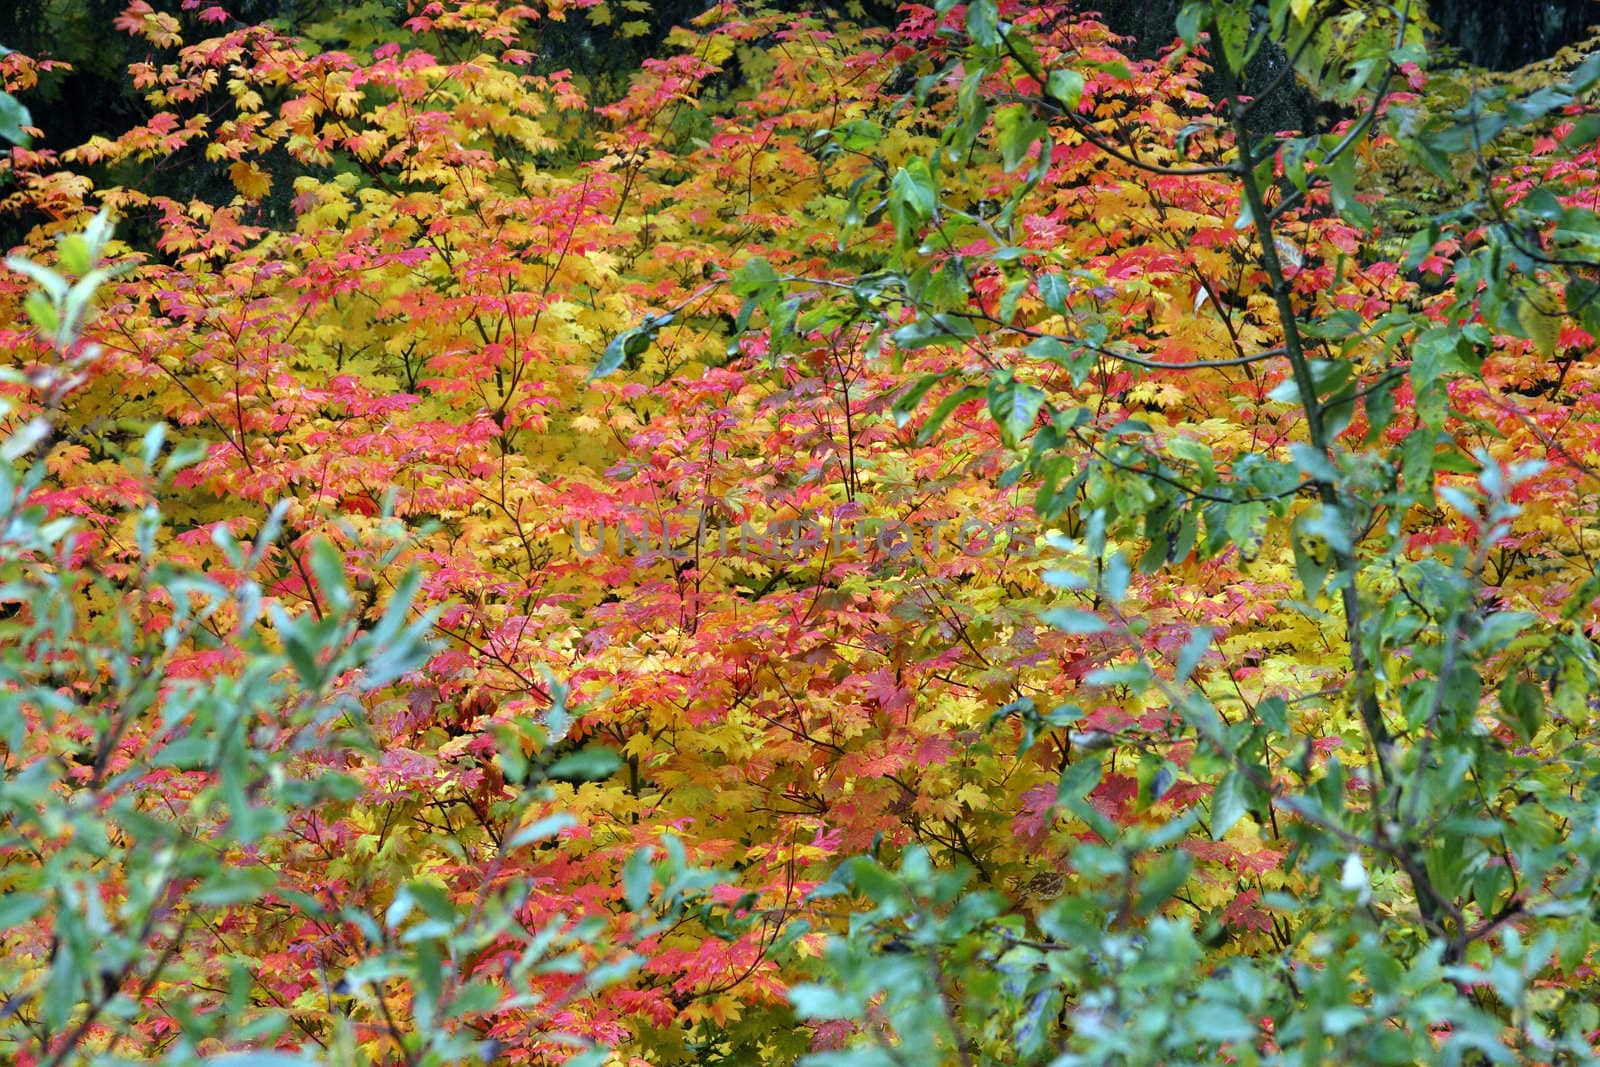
(1440, 880)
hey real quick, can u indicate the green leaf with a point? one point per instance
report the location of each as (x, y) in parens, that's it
(638, 874)
(75, 254)
(630, 344)
(1067, 87)
(302, 656)
(540, 830)
(1190, 654)
(811, 1001)
(18, 906)
(933, 330)
(1229, 802)
(946, 408)
(858, 135)
(434, 901)
(861, 1056)
(1274, 714)
(908, 399)
(1073, 621)
(328, 566)
(983, 23)
(1078, 780)
(586, 765)
(1522, 706)
(1435, 356)
(1118, 70)
(1379, 406)
(1585, 132)
(13, 117)
(1015, 406)
(229, 886)
(913, 186)
(1167, 875)
(1585, 75)
(1016, 131)
(1054, 290)
(877, 884)
(1133, 675)
(1341, 175)
(42, 313)
(1156, 778)
(1192, 19)
(1115, 577)
(1233, 29)
(754, 278)
(54, 285)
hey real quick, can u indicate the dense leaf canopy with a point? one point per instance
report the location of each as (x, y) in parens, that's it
(626, 533)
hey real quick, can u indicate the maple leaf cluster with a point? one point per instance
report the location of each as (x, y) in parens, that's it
(388, 314)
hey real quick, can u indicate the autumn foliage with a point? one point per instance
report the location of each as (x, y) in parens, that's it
(843, 446)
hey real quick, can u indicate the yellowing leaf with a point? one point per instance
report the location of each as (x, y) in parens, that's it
(252, 182)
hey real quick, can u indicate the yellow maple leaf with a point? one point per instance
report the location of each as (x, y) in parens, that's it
(252, 182)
